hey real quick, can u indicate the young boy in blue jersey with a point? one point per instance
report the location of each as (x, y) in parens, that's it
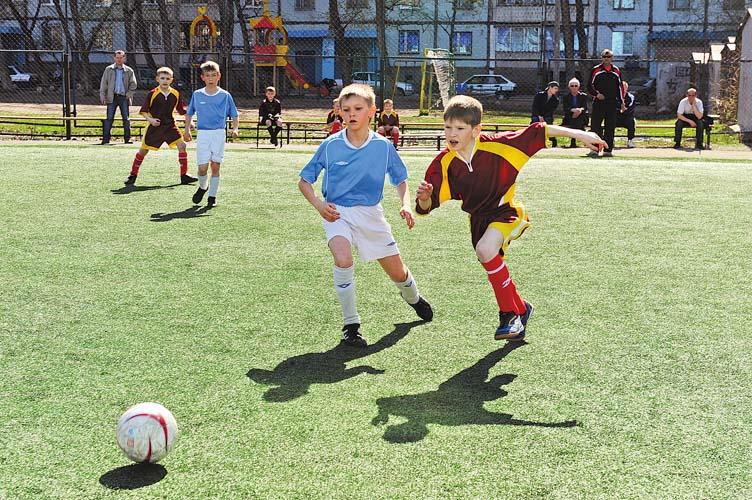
(357, 161)
(211, 105)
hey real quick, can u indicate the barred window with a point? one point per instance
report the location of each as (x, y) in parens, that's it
(623, 4)
(409, 42)
(518, 39)
(621, 43)
(462, 43)
(305, 4)
(678, 4)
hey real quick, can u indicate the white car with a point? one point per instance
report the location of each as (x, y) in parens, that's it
(370, 78)
(489, 84)
(19, 77)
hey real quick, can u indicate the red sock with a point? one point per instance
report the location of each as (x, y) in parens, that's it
(183, 160)
(136, 164)
(503, 286)
(395, 136)
(336, 127)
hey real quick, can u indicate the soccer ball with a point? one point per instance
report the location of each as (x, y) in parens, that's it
(147, 432)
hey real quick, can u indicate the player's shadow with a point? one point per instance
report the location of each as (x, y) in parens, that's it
(188, 213)
(458, 401)
(294, 376)
(134, 476)
(135, 189)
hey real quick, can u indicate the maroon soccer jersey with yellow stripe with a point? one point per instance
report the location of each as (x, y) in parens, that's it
(486, 185)
(389, 119)
(162, 106)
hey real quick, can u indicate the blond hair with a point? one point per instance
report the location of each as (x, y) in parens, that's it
(359, 90)
(271, 88)
(165, 70)
(209, 66)
(465, 109)
(389, 101)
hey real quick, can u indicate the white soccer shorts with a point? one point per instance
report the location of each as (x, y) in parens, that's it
(366, 229)
(210, 146)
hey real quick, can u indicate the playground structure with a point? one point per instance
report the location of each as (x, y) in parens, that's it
(202, 40)
(270, 51)
(438, 67)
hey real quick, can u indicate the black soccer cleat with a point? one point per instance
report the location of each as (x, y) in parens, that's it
(211, 202)
(199, 195)
(131, 180)
(510, 327)
(187, 179)
(423, 308)
(351, 335)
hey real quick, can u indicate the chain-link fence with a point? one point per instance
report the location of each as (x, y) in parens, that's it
(502, 51)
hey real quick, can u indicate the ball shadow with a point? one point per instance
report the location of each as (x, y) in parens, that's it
(132, 477)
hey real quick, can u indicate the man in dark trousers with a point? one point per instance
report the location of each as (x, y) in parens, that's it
(626, 117)
(604, 85)
(575, 106)
(544, 105)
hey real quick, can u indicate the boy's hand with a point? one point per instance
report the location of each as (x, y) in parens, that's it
(592, 141)
(154, 121)
(425, 190)
(328, 211)
(187, 134)
(407, 214)
(235, 133)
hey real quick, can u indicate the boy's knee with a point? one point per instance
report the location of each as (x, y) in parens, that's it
(342, 260)
(485, 251)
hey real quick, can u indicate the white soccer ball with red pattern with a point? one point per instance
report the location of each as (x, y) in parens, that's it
(147, 432)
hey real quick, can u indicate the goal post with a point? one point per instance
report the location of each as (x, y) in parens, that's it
(438, 67)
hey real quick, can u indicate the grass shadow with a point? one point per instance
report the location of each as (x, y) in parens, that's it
(134, 476)
(188, 213)
(294, 376)
(458, 401)
(134, 189)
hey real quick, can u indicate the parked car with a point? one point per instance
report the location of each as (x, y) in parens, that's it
(491, 84)
(22, 78)
(370, 78)
(643, 90)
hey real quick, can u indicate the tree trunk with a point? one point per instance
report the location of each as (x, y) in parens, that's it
(341, 56)
(566, 24)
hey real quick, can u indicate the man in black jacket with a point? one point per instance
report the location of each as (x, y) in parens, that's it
(626, 118)
(606, 89)
(545, 103)
(575, 107)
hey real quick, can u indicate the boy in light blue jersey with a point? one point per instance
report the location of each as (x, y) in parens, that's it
(211, 105)
(357, 161)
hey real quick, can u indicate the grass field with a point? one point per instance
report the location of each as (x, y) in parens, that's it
(634, 382)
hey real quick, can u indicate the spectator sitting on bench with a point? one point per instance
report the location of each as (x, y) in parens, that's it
(544, 106)
(689, 114)
(626, 118)
(575, 106)
(389, 122)
(270, 114)
(334, 119)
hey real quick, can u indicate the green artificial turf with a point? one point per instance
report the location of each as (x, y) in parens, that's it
(634, 382)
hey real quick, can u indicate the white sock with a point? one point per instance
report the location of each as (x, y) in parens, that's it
(408, 289)
(203, 181)
(213, 186)
(344, 285)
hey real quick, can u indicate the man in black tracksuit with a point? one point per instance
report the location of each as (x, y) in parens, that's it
(545, 103)
(605, 86)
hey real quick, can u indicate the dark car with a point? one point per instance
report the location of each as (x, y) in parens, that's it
(643, 90)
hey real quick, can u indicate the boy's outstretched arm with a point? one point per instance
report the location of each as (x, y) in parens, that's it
(423, 195)
(405, 212)
(327, 210)
(590, 139)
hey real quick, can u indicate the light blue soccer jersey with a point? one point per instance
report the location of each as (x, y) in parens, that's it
(211, 111)
(355, 176)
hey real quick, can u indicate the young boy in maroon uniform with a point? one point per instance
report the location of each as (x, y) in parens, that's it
(334, 119)
(481, 169)
(389, 122)
(160, 103)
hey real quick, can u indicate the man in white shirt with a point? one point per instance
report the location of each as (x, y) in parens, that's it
(689, 114)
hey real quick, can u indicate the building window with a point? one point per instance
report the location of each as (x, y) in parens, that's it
(356, 4)
(621, 43)
(571, 2)
(462, 43)
(733, 5)
(409, 41)
(52, 35)
(103, 38)
(305, 4)
(678, 4)
(562, 52)
(409, 4)
(467, 4)
(154, 32)
(623, 4)
(519, 39)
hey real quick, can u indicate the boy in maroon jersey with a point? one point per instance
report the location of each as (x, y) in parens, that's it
(389, 122)
(160, 103)
(481, 169)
